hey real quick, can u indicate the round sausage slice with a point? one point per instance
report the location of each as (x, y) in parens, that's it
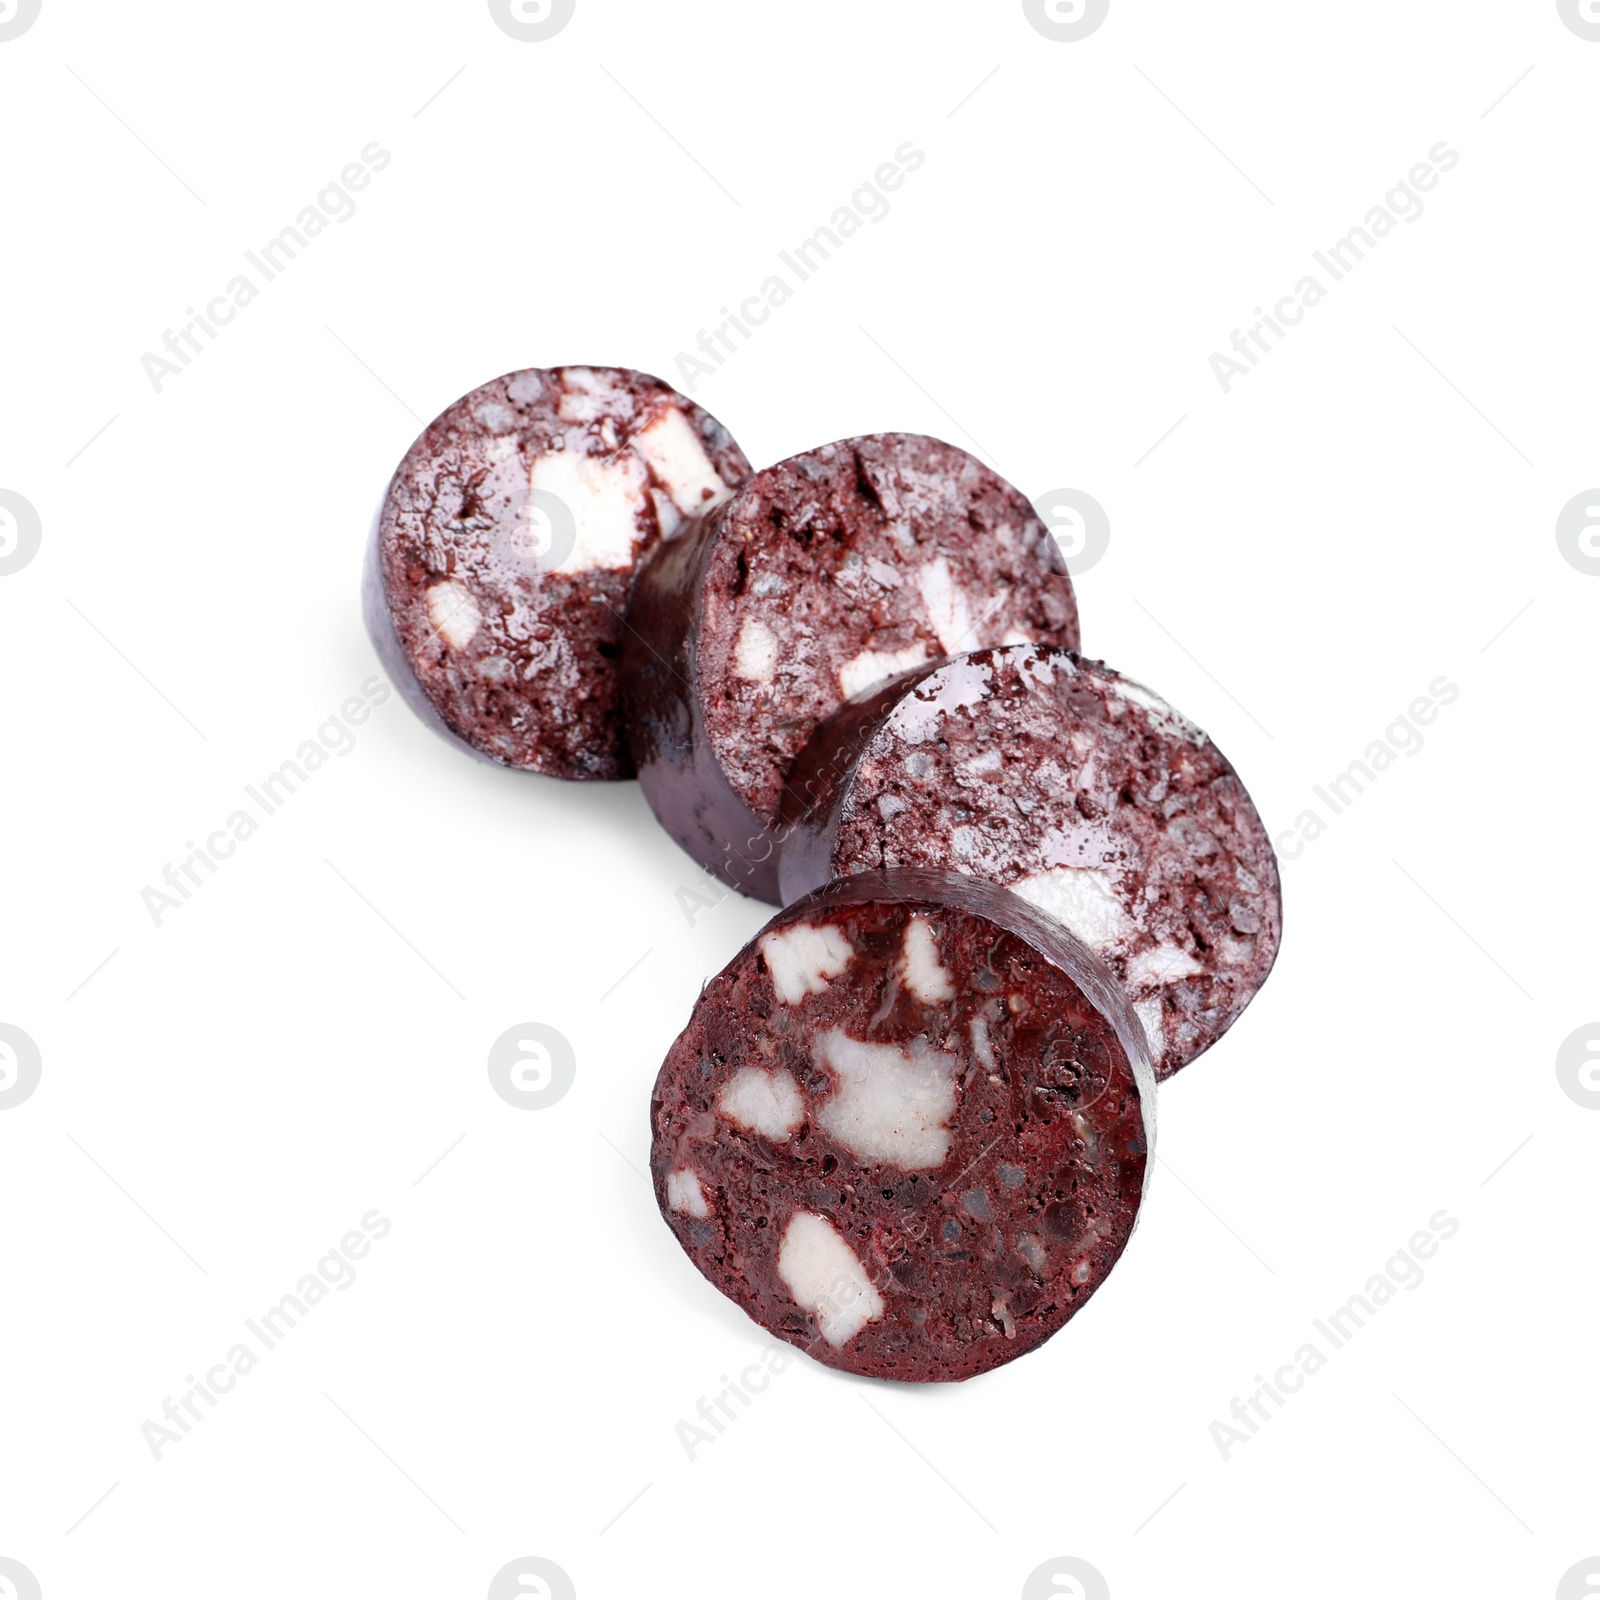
(1080, 790)
(818, 580)
(502, 557)
(907, 1128)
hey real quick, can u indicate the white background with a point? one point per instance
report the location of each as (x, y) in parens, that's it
(229, 1093)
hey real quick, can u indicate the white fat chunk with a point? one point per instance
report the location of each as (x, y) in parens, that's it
(1085, 1131)
(871, 668)
(1149, 1014)
(891, 1104)
(981, 1047)
(685, 1194)
(1082, 899)
(1165, 964)
(668, 518)
(1042, 668)
(1016, 636)
(767, 1103)
(680, 463)
(952, 688)
(454, 613)
(587, 394)
(802, 959)
(920, 968)
(826, 1278)
(605, 495)
(1033, 1252)
(947, 606)
(755, 652)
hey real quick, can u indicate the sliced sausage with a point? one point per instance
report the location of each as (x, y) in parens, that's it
(501, 560)
(1079, 789)
(907, 1128)
(818, 580)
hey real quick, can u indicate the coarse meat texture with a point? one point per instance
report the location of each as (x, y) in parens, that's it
(907, 1128)
(504, 552)
(1080, 790)
(820, 579)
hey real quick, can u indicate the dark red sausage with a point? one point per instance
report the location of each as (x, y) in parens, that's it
(907, 1128)
(505, 549)
(818, 580)
(1078, 788)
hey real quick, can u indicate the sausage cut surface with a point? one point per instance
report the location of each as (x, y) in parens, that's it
(819, 579)
(1080, 790)
(907, 1128)
(504, 552)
